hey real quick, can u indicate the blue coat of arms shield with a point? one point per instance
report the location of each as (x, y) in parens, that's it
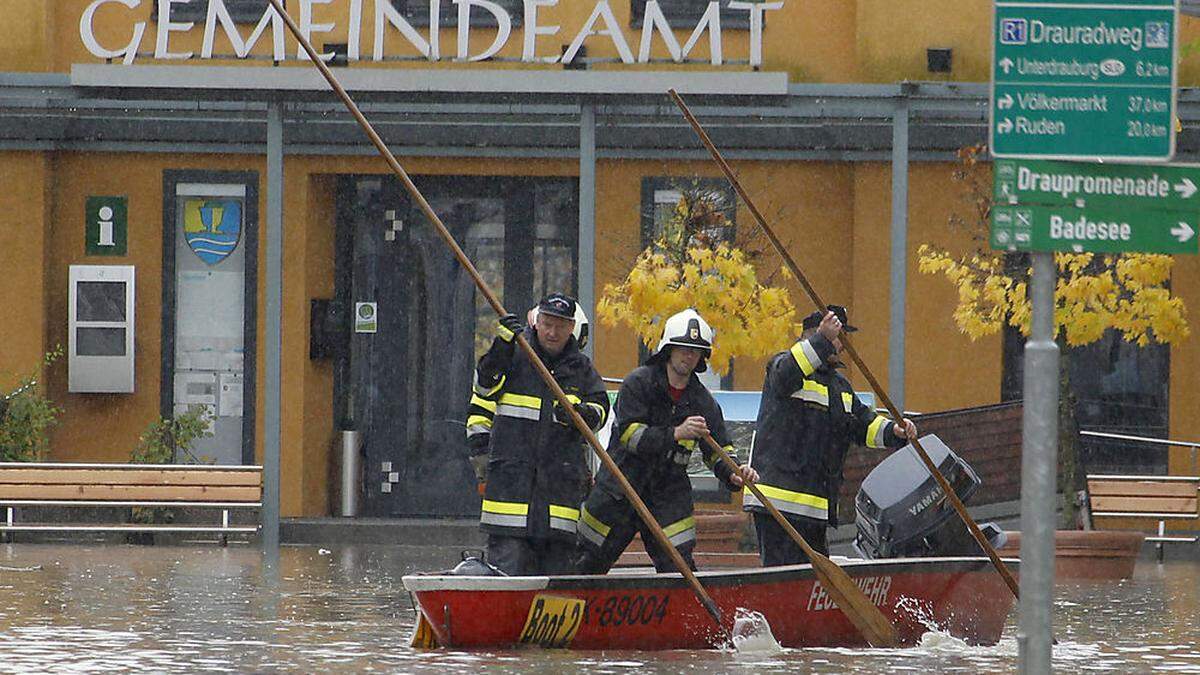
(212, 227)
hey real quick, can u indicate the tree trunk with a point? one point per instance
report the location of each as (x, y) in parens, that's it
(1071, 472)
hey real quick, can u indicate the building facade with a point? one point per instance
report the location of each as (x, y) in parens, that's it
(135, 134)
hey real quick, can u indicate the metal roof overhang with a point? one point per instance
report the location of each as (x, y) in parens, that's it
(131, 109)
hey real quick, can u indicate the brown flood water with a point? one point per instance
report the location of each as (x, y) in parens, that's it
(176, 609)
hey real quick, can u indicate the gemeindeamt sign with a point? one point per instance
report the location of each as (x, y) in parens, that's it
(1084, 80)
(1111, 208)
(539, 43)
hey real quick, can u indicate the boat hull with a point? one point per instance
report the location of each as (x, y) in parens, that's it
(962, 596)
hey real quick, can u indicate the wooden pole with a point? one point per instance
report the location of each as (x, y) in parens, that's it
(846, 343)
(559, 395)
(863, 613)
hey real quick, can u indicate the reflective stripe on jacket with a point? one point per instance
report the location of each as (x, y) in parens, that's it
(537, 473)
(807, 418)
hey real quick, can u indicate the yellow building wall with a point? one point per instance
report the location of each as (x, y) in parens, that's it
(24, 226)
(1185, 370)
(943, 368)
(30, 28)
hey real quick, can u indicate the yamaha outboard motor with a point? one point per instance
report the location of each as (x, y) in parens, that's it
(901, 511)
(474, 565)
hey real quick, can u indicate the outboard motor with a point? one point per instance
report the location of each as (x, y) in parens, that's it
(901, 511)
(473, 565)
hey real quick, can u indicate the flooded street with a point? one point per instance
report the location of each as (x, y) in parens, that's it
(97, 608)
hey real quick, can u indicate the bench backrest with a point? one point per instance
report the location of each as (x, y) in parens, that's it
(130, 482)
(1163, 496)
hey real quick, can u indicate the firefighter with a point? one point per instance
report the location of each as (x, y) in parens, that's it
(536, 475)
(482, 411)
(662, 413)
(807, 418)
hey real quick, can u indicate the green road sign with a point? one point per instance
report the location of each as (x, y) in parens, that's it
(1076, 80)
(1067, 228)
(1098, 187)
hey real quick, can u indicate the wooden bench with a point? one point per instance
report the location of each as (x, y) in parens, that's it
(1160, 498)
(38, 484)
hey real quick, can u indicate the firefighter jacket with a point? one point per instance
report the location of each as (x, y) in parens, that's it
(643, 446)
(537, 473)
(807, 419)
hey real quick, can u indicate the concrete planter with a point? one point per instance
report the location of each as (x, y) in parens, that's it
(1087, 554)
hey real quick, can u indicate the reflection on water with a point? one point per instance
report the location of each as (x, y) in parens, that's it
(75, 608)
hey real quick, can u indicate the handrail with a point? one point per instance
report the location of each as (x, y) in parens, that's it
(1144, 439)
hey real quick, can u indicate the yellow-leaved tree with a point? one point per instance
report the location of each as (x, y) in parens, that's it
(1128, 293)
(691, 264)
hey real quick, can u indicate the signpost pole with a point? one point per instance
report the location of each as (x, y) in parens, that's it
(1038, 473)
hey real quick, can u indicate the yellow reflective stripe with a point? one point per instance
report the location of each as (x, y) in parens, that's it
(574, 399)
(504, 333)
(689, 443)
(488, 391)
(679, 526)
(848, 401)
(479, 420)
(593, 523)
(794, 497)
(806, 366)
(630, 431)
(567, 512)
(875, 432)
(813, 392)
(806, 357)
(482, 402)
(713, 459)
(521, 401)
(506, 508)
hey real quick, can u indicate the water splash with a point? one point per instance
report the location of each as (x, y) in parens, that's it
(752, 634)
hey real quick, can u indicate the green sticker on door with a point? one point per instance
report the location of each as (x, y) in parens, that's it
(364, 317)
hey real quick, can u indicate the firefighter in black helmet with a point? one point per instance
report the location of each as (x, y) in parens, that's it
(536, 472)
(662, 413)
(806, 420)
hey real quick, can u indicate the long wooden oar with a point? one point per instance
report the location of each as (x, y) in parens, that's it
(849, 348)
(863, 613)
(559, 395)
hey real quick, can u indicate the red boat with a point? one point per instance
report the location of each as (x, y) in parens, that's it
(643, 610)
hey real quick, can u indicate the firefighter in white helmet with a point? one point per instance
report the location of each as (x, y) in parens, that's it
(662, 414)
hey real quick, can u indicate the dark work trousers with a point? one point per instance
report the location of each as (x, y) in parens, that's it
(775, 545)
(599, 560)
(518, 556)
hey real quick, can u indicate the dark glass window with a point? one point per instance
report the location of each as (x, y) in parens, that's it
(417, 12)
(683, 14)
(242, 11)
(100, 341)
(100, 301)
(1119, 388)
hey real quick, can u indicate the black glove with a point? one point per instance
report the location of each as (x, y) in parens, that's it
(591, 416)
(508, 327)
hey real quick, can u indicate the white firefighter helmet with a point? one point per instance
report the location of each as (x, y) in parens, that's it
(580, 331)
(685, 329)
